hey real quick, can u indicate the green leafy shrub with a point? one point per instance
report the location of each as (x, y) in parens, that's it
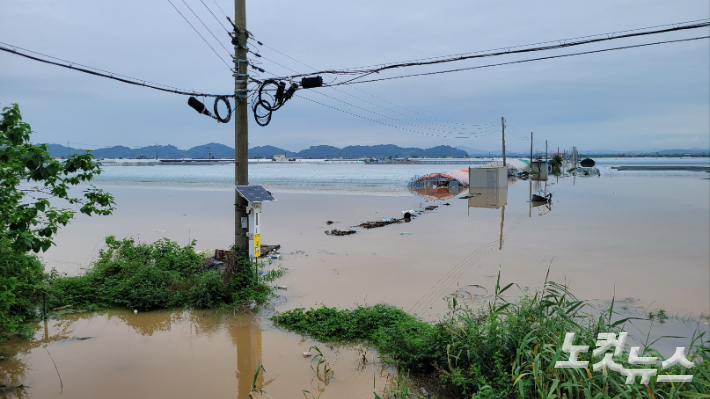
(21, 277)
(156, 276)
(28, 220)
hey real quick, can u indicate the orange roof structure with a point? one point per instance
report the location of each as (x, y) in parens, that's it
(461, 176)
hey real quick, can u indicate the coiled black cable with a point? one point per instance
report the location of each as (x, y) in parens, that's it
(216, 110)
(265, 104)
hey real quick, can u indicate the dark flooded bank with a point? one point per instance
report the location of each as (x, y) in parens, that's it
(635, 239)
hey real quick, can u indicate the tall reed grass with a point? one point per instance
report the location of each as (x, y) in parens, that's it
(505, 349)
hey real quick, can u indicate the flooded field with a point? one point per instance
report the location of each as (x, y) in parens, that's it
(641, 239)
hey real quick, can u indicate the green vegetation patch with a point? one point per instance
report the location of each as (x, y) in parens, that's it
(156, 276)
(21, 278)
(505, 350)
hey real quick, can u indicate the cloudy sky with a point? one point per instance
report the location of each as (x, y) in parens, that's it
(638, 99)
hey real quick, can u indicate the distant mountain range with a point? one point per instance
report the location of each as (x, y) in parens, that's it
(216, 150)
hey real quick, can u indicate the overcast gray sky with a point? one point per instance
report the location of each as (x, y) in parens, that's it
(638, 99)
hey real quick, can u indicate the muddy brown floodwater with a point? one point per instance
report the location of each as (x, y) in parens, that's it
(642, 240)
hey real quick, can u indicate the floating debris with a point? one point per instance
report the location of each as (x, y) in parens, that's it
(336, 232)
(405, 234)
(540, 198)
(329, 222)
(379, 223)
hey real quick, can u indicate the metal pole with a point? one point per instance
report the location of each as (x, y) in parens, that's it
(502, 129)
(45, 304)
(241, 142)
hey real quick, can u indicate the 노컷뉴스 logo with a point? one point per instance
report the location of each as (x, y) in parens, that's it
(605, 341)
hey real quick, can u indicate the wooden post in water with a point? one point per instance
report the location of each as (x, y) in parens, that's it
(502, 217)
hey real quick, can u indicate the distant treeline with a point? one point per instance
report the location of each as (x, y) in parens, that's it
(216, 150)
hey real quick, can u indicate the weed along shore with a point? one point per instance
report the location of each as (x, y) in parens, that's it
(501, 350)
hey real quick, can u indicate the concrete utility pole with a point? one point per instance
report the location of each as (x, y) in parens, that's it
(545, 150)
(241, 142)
(531, 148)
(502, 129)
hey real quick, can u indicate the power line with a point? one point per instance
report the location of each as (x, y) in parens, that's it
(264, 118)
(215, 17)
(220, 8)
(377, 121)
(369, 102)
(105, 74)
(199, 34)
(608, 34)
(206, 27)
(506, 51)
(522, 61)
(396, 120)
(81, 65)
(416, 112)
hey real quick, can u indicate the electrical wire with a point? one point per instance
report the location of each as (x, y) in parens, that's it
(105, 74)
(559, 41)
(524, 61)
(366, 101)
(205, 25)
(215, 17)
(393, 119)
(375, 120)
(263, 118)
(506, 51)
(199, 34)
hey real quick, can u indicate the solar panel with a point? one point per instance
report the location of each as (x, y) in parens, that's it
(255, 193)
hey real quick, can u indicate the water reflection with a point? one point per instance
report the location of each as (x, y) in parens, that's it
(437, 193)
(488, 197)
(490, 191)
(246, 336)
(106, 342)
(13, 367)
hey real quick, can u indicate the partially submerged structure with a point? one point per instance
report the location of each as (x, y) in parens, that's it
(489, 187)
(440, 185)
(451, 179)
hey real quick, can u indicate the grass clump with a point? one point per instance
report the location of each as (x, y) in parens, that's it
(505, 350)
(156, 276)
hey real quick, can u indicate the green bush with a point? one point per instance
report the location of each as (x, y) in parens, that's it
(21, 278)
(160, 275)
